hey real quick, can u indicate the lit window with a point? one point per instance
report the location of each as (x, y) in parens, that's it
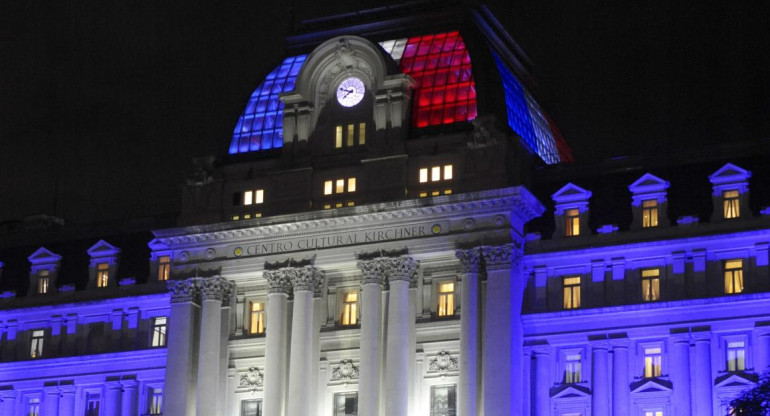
(736, 356)
(33, 407)
(102, 274)
(435, 174)
(346, 404)
(447, 172)
(652, 362)
(156, 401)
(159, 331)
(653, 413)
(236, 217)
(650, 213)
(256, 196)
(733, 276)
(256, 318)
(351, 137)
(446, 299)
(350, 308)
(328, 188)
(338, 137)
(572, 222)
(351, 184)
(36, 344)
(340, 186)
(732, 206)
(571, 292)
(43, 281)
(572, 367)
(251, 407)
(423, 175)
(650, 285)
(92, 405)
(443, 400)
(164, 267)
(362, 134)
(423, 194)
(246, 216)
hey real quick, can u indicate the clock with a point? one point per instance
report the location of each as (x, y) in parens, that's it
(350, 92)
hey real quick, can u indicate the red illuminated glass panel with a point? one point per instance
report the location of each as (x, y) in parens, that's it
(446, 91)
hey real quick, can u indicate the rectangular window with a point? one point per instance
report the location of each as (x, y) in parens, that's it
(732, 206)
(653, 359)
(443, 400)
(328, 187)
(338, 138)
(351, 184)
(446, 299)
(653, 413)
(340, 186)
(248, 198)
(736, 356)
(650, 213)
(572, 367)
(33, 407)
(351, 133)
(346, 404)
(102, 274)
(650, 285)
(362, 134)
(733, 276)
(256, 196)
(159, 331)
(164, 267)
(43, 281)
(36, 344)
(156, 401)
(350, 309)
(259, 196)
(447, 172)
(256, 318)
(251, 407)
(435, 174)
(571, 292)
(423, 175)
(572, 222)
(92, 405)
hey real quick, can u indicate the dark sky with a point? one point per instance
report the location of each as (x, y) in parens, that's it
(103, 103)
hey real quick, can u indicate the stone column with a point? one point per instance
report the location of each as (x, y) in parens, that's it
(680, 372)
(129, 402)
(762, 360)
(8, 399)
(113, 399)
(212, 290)
(397, 349)
(224, 341)
(600, 398)
(621, 393)
(67, 401)
(543, 383)
(276, 344)
(702, 381)
(370, 370)
(51, 401)
(469, 331)
(305, 282)
(179, 390)
(503, 331)
(526, 404)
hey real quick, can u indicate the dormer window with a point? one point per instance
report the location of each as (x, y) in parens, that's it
(572, 222)
(345, 136)
(102, 274)
(164, 267)
(43, 281)
(731, 204)
(571, 211)
(649, 213)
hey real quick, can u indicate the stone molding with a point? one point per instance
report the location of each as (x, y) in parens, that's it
(307, 278)
(253, 379)
(373, 271)
(443, 363)
(401, 268)
(470, 260)
(506, 256)
(182, 290)
(213, 288)
(278, 281)
(345, 370)
(195, 289)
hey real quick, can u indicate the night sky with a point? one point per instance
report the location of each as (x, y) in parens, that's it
(104, 103)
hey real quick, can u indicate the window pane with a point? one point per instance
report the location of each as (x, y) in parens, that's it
(362, 134)
(435, 173)
(351, 184)
(259, 196)
(340, 186)
(447, 172)
(351, 132)
(338, 138)
(248, 198)
(423, 175)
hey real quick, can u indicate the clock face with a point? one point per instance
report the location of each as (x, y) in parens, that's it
(350, 91)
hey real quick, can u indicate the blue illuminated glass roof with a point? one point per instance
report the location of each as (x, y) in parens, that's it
(260, 127)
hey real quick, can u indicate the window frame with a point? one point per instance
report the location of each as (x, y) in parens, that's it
(37, 343)
(343, 394)
(155, 328)
(572, 377)
(164, 268)
(731, 205)
(648, 351)
(652, 281)
(450, 296)
(155, 407)
(344, 310)
(572, 222)
(102, 275)
(244, 402)
(450, 410)
(730, 273)
(250, 313)
(571, 287)
(650, 214)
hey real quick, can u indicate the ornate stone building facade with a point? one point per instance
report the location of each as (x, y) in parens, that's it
(393, 232)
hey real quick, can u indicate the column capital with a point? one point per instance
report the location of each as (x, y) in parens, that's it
(373, 271)
(114, 385)
(401, 268)
(182, 290)
(501, 257)
(278, 281)
(213, 288)
(129, 384)
(307, 278)
(469, 259)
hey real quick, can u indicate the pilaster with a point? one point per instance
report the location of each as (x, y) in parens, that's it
(470, 261)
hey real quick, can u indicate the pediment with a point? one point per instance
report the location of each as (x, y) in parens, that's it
(648, 183)
(736, 380)
(570, 391)
(730, 173)
(158, 244)
(571, 193)
(651, 385)
(43, 256)
(103, 249)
